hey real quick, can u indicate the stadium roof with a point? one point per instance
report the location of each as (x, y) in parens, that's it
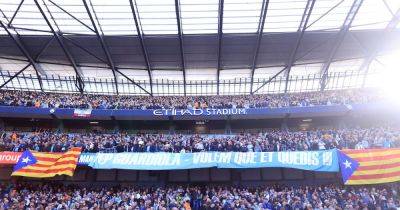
(194, 39)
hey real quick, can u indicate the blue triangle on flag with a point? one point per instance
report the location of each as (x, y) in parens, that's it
(347, 166)
(26, 159)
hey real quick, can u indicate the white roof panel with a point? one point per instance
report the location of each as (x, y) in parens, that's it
(157, 17)
(199, 17)
(241, 16)
(329, 14)
(284, 16)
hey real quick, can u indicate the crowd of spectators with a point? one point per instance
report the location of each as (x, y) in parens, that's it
(272, 140)
(87, 101)
(54, 196)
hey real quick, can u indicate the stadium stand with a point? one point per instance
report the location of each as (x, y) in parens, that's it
(55, 196)
(49, 100)
(275, 140)
(199, 105)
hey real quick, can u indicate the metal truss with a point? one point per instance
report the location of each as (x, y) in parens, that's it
(15, 13)
(220, 25)
(180, 36)
(373, 53)
(260, 31)
(300, 32)
(269, 80)
(338, 40)
(142, 43)
(15, 37)
(95, 27)
(45, 47)
(84, 49)
(108, 55)
(71, 40)
(15, 75)
(58, 36)
(103, 46)
(303, 26)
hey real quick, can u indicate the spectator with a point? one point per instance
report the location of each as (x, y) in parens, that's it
(58, 100)
(272, 140)
(56, 196)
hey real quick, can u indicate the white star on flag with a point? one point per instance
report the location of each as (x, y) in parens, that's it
(26, 160)
(347, 164)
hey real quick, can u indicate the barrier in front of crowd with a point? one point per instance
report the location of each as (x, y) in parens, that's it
(357, 167)
(324, 160)
(193, 114)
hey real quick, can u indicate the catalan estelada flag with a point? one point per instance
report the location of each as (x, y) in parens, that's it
(43, 164)
(369, 166)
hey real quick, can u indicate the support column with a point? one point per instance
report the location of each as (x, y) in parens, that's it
(342, 123)
(2, 126)
(60, 125)
(171, 126)
(116, 126)
(228, 128)
(284, 125)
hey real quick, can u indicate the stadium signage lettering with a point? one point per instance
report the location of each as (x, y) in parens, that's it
(9, 157)
(306, 160)
(311, 160)
(197, 112)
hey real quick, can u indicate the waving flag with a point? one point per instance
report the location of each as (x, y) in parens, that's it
(42, 164)
(370, 166)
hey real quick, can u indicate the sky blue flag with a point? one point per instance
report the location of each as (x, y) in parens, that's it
(347, 166)
(26, 159)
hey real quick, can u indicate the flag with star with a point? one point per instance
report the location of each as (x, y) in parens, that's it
(347, 166)
(369, 166)
(47, 164)
(25, 159)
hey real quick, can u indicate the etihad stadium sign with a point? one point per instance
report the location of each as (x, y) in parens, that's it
(199, 112)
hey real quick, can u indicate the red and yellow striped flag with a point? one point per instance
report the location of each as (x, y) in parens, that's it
(46, 164)
(375, 166)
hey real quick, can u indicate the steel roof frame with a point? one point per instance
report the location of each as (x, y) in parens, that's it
(220, 34)
(260, 30)
(338, 41)
(108, 55)
(58, 36)
(373, 53)
(15, 37)
(300, 32)
(95, 27)
(181, 44)
(142, 42)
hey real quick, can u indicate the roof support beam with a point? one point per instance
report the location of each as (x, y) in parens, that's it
(260, 31)
(325, 14)
(180, 36)
(15, 37)
(47, 45)
(142, 43)
(58, 36)
(103, 46)
(373, 53)
(15, 75)
(338, 41)
(15, 13)
(108, 54)
(269, 80)
(300, 32)
(84, 49)
(220, 33)
(73, 17)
